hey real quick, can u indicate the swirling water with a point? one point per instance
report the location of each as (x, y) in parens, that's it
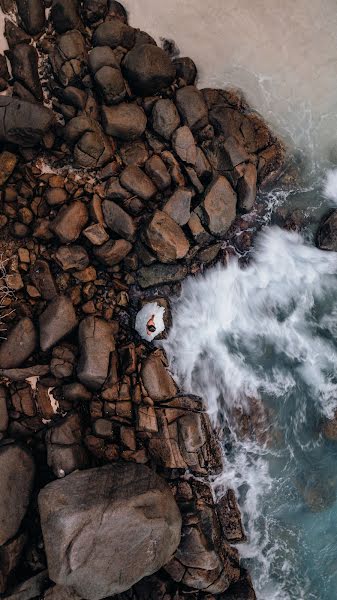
(269, 331)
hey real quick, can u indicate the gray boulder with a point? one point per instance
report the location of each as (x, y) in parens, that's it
(16, 483)
(23, 123)
(32, 15)
(106, 528)
(148, 69)
(57, 321)
(96, 342)
(19, 345)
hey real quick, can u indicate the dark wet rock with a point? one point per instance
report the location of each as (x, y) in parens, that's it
(69, 57)
(14, 35)
(70, 221)
(31, 588)
(242, 589)
(148, 69)
(165, 118)
(192, 107)
(234, 152)
(157, 171)
(57, 321)
(65, 450)
(16, 482)
(118, 220)
(185, 69)
(207, 255)
(329, 428)
(10, 554)
(56, 196)
(62, 362)
(3, 410)
(76, 392)
(74, 96)
(326, 238)
(250, 131)
(158, 274)
(218, 209)
(92, 149)
(102, 56)
(72, 258)
(117, 494)
(112, 252)
(23, 123)
(24, 373)
(20, 344)
(4, 73)
(202, 165)
(97, 343)
(94, 10)
(178, 206)
(8, 161)
(24, 63)
(271, 164)
(111, 84)
(113, 33)
(43, 280)
(246, 188)
(32, 15)
(65, 15)
(184, 145)
(156, 378)
(137, 182)
(124, 121)
(165, 238)
(230, 518)
(117, 10)
(114, 190)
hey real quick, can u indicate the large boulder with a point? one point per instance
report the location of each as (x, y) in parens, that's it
(106, 528)
(16, 483)
(136, 182)
(166, 238)
(114, 33)
(68, 57)
(32, 15)
(218, 209)
(23, 123)
(57, 321)
(65, 15)
(327, 232)
(156, 379)
(148, 69)
(19, 345)
(96, 342)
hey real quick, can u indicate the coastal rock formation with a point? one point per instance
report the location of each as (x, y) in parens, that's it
(130, 517)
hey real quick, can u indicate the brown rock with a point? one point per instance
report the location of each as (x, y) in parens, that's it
(199, 233)
(96, 234)
(70, 221)
(114, 33)
(112, 252)
(124, 121)
(111, 84)
(156, 378)
(218, 209)
(327, 232)
(97, 343)
(134, 153)
(156, 169)
(148, 69)
(57, 321)
(230, 518)
(43, 280)
(135, 180)
(186, 69)
(19, 345)
(179, 206)
(165, 238)
(7, 165)
(192, 107)
(65, 450)
(165, 118)
(10, 554)
(56, 196)
(159, 274)
(184, 145)
(118, 220)
(3, 410)
(246, 188)
(72, 258)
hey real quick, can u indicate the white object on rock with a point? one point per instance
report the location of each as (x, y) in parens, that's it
(150, 311)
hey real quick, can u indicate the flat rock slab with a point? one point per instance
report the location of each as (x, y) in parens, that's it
(16, 483)
(106, 528)
(56, 321)
(97, 342)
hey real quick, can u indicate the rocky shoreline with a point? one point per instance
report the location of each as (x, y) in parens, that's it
(119, 178)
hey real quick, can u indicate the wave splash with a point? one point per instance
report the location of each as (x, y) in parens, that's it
(266, 332)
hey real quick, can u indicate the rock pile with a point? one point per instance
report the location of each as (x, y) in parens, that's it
(119, 177)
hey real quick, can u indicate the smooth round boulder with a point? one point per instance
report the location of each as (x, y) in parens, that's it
(124, 121)
(148, 69)
(16, 483)
(106, 528)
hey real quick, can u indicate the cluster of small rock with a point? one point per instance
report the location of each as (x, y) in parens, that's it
(146, 176)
